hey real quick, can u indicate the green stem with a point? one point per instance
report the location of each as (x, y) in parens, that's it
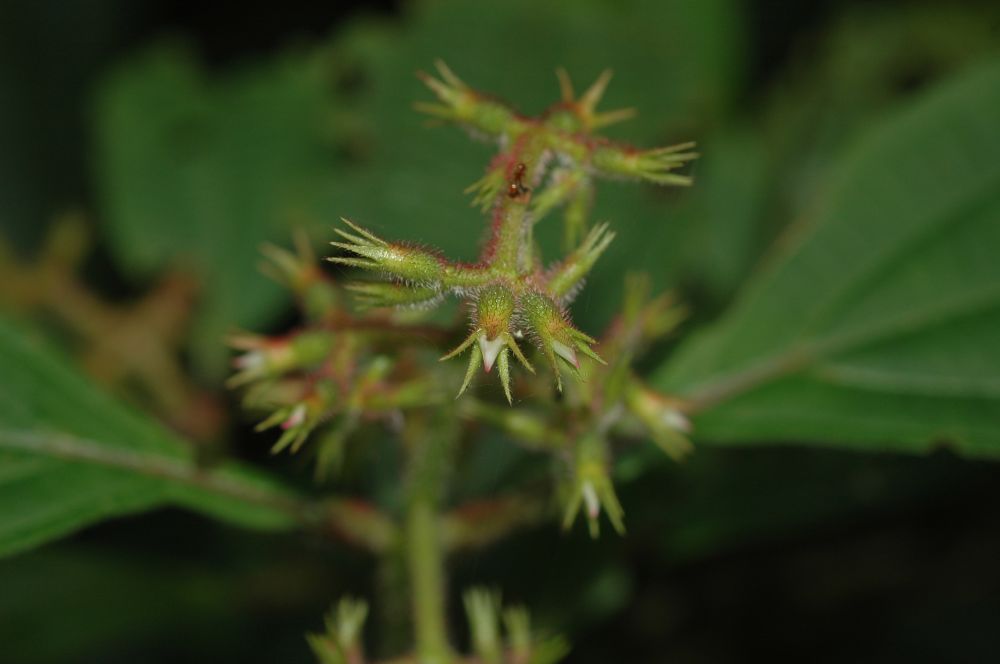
(426, 566)
(512, 234)
(511, 231)
(430, 445)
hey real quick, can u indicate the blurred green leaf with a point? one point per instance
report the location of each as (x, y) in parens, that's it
(718, 224)
(874, 324)
(872, 59)
(70, 456)
(197, 172)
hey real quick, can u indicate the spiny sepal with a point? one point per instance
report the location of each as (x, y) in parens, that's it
(377, 294)
(591, 488)
(484, 609)
(492, 338)
(486, 352)
(463, 105)
(486, 189)
(656, 165)
(580, 114)
(565, 279)
(299, 272)
(411, 264)
(341, 643)
(663, 418)
(297, 421)
(555, 336)
(266, 357)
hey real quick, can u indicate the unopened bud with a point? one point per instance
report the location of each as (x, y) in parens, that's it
(341, 642)
(492, 340)
(554, 334)
(592, 489)
(654, 165)
(412, 264)
(663, 418)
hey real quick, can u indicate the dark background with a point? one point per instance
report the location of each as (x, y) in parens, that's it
(741, 555)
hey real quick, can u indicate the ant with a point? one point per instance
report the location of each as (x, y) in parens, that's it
(516, 187)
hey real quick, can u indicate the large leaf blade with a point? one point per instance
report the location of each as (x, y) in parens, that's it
(874, 323)
(70, 456)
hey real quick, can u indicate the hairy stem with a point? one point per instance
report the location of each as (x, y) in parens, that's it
(426, 565)
(512, 237)
(430, 445)
(511, 221)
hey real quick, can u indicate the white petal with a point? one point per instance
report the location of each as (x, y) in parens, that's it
(565, 352)
(297, 417)
(491, 348)
(677, 420)
(250, 361)
(591, 500)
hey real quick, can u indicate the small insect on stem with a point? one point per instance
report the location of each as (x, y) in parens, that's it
(516, 187)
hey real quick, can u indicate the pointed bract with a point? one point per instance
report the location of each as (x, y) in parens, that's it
(554, 334)
(593, 491)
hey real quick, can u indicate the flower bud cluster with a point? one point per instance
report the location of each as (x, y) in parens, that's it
(485, 614)
(612, 405)
(347, 366)
(362, 358)
(545, 163)
(327, 377)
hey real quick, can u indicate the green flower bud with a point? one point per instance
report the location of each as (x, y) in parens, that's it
(411, 264)
(493, 337)
(662, 417)
(591, 488)
(463, 105)
(554, 334)
(298, 271)
(482, 608)
(494, 311)
(266, 357)
(654, 165)
(341, 642)
(373, 294)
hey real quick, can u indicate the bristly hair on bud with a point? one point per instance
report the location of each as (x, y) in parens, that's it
(554, 335)
(409, 264)
(492, 338)
(566, 278)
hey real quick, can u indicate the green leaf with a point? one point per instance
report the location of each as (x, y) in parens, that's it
(874, 323)
(196, 172)
(716, 227)
(71, 456)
